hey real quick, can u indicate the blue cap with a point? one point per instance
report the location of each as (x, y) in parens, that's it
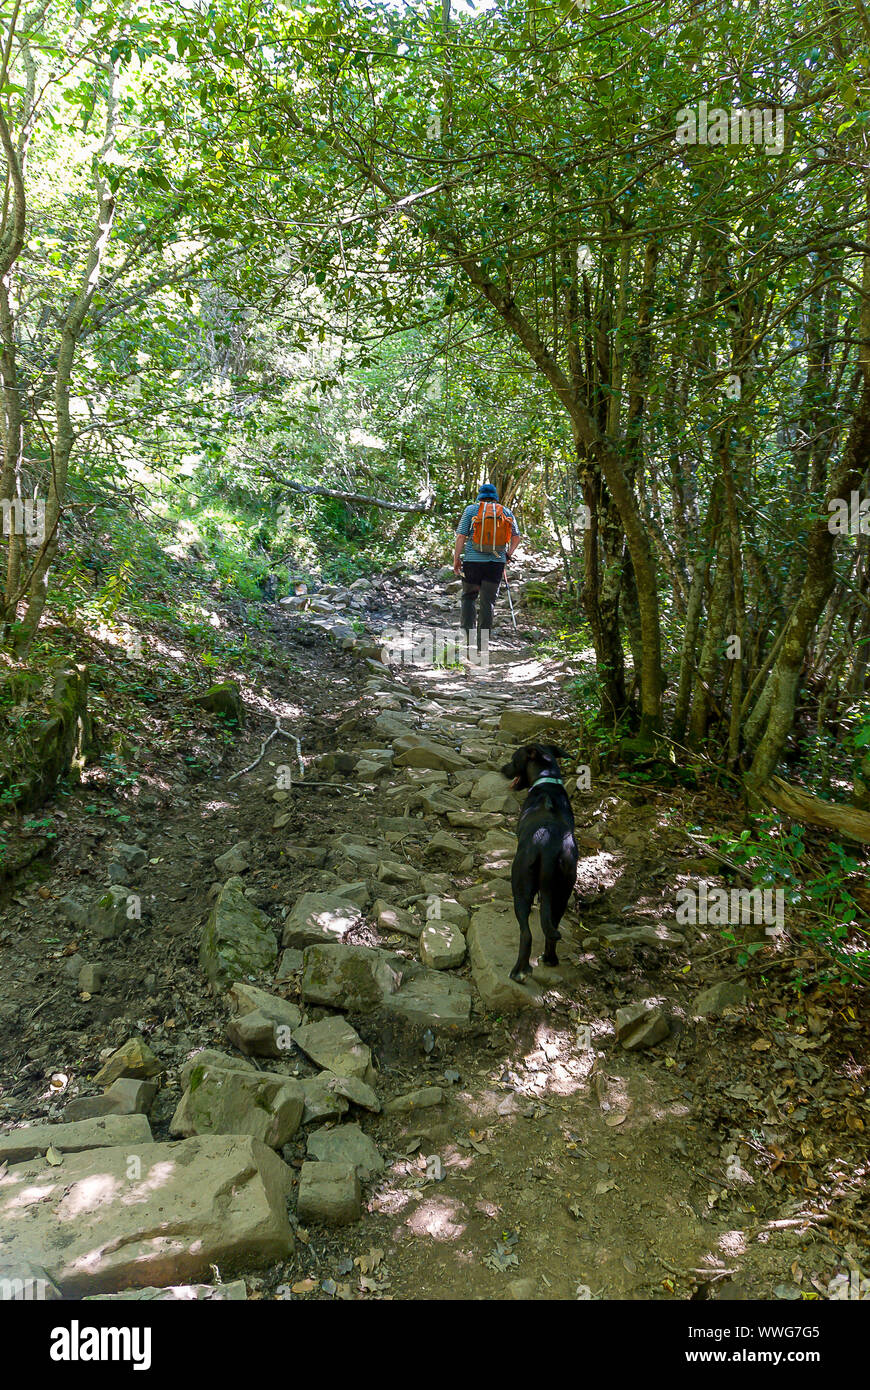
(487, 493)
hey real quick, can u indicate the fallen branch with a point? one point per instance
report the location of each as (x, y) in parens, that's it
(259, 758)
(830, 815)
(361, 500)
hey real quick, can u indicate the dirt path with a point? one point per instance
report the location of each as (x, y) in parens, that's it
(557, 1164)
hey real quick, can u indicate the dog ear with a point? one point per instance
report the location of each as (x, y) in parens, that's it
(534, 752)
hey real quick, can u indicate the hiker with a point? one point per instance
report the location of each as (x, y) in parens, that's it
(486, 538)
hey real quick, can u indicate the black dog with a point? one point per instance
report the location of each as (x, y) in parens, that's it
(546, 859)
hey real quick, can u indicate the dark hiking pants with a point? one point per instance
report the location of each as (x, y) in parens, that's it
(479, 578)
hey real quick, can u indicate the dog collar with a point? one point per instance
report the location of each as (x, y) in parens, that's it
(538, 780)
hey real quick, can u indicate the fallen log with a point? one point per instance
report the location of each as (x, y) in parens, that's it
(361, 500)
(830, 815)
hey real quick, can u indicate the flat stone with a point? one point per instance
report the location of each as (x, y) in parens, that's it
(442, 946)
(482, 893)
(289, 965)
(361, 854)
(131, 856)
(92, 977)
(131, 1096)
(493, 943)
(500, 841)
(431, 999)
(235, 860)
(313, 856)
(421, 1099)
(216, 1200)
(213, 1059)
(347, 1144)
(320, 917)
(488, 785)
(728, 994)
(237, 939)
(106, 1131)
(246, 998)
(392, 871)
(660, 937)
(355, 1091)
(444, 846)
(335, 1046)
(427, 754)
(257, 1035)
(526, 724)
(442, 908)
(133, 1058)
(329, 1193)
(321, 1101)
(264, 1022)
(394, 919)
(265, 1105)
(126, 1096)
(474, 820)
(357, 893)
(641, 1025)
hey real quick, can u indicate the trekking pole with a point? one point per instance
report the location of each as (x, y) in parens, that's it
(510, 600)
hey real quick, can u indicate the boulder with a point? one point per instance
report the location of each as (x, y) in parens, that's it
(237, 939)
(493, 942)
(329, 1193)
(394, 919)
(234, 860)
(334, 1045)
(100, 1222)
(133, 1058)
(213, 1059)
(357, 978)
(320, 917)
(263, 1023)
(346, 1144)
(524, 725)
(224, 699)
(421, 1099)
(728, 994)
(641, 1025)
(442, 946)
(321, 1101)
(265, 1105)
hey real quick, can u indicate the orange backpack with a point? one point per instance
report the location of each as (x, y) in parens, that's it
(490, 528)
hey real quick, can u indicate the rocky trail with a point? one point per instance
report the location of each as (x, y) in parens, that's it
(262, 1041)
